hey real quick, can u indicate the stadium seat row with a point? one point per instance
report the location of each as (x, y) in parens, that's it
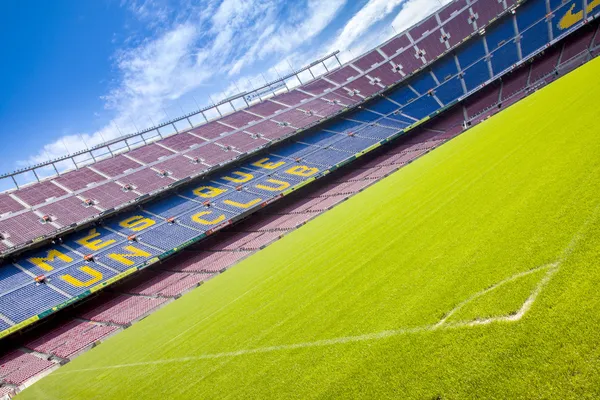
(66, 338)
(78, 197)
(95, 256)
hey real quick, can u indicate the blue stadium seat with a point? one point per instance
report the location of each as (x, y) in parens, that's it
(362, 115)
(326, 157)
(212, 213)
(393, 123)
(53, 257)
(476, 75)
(132, 222)
(342, 125)
(29, 300)
(236, 176)
(204, 187)
(421, 107)
(595, 10)
(168, 236)
(11, 276)
(126, 255)
(57, 279)
(170, 206)
(321, 138)
(555, 4)
(445, 68)
(558, 28)
(382, 106)
(293, 150)
(423, 82)
(354, 144)
(402, 95)
(401, 118)
(273, 185)
(530, 12)
(377, 132)
(534, 38)
(272, 159)
(471, 53)
(95, 237)
(500, 33)
(242, 197)
(504, 57)
(3, 325)
(449, 91)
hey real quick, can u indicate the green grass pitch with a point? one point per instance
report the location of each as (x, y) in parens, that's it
(471, 273)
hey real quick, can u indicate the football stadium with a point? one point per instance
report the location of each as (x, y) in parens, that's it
(418, 222)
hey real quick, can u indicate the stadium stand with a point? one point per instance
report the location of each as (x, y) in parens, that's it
(139, 239)
(348, 85)
(18, 367)
(70, 338)
(121, 309)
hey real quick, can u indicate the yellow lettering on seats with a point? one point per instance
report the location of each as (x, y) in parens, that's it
(90, 244)
(197, 218)
(95, 277)
(124, 258)
(242, 205)
(208, 191)
(281, 185)
(592, 5)
(570, 18)
(137, 223)
(263, 163)
(302, 170)
(245, 177)
(42, 262)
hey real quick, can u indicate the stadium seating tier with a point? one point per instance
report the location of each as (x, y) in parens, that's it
(305, 156)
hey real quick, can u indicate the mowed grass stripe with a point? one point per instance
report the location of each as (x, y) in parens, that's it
(505, 197)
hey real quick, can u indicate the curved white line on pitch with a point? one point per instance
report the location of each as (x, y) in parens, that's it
(366, 337)
(442, 324)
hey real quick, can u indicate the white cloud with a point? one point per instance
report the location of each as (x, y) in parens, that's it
(218, 46)
(414, 11)
(372, 12)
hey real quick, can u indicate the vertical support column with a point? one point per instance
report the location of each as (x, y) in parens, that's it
(143, 138)
(460, 71)
(215, 106)
(92, 154)
(549, 21)
(338, 60)
(488, 58)
(55, 169)
(518, 38)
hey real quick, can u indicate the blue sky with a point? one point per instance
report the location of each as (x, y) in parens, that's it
(75, 73)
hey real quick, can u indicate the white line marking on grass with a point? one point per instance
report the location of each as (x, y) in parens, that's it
(441, 325)
(361, 338)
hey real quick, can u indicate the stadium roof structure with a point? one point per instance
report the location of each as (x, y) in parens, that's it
(280, 133)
